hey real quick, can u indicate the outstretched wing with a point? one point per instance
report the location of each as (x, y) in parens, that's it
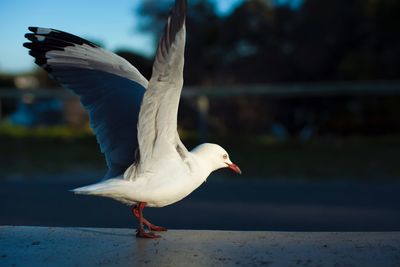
(110, 89)
(158, 115)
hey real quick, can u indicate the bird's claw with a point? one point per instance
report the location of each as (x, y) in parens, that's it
(143, 234)
(157, 228)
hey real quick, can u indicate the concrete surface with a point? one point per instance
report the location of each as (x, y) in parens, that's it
(48, 246)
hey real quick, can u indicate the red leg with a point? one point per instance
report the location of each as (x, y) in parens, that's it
(140, 232)
(151, 226)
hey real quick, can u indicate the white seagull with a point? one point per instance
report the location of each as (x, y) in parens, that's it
(134, 120)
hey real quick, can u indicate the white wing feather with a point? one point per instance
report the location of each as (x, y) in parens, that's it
(157, 126)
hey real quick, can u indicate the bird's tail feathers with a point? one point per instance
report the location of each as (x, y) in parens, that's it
(108, 187)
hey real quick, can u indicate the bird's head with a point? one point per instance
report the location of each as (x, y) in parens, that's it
(216, 157)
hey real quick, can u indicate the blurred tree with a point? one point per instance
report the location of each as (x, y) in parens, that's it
(6, 81)
(261, 41)
(377, 54)
(255, 38)
(201, 45)
(143, 64)
(325, 33)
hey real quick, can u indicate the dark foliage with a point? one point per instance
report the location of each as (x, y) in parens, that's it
(320, 41)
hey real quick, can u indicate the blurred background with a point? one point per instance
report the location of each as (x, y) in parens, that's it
(304, 94)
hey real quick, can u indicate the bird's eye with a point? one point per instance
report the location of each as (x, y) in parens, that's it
(225, 156)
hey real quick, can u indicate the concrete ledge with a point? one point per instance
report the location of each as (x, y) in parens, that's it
(49, 246)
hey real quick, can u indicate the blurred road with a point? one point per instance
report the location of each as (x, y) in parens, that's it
(218, 204)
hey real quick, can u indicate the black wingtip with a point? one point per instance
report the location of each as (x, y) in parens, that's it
(47, 39)
(181, 7)
(30, 36)
(177, 19)
(179, 12)
(37, 30)
(32, 29)
(27, 45)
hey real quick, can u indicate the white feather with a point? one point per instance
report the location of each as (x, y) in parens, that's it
(43, 31)
(95, 58)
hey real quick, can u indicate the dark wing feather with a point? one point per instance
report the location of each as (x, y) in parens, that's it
(110, 89)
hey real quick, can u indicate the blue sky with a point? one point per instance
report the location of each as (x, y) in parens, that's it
(110, 22)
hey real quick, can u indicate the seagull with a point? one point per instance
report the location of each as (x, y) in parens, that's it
(134, 120)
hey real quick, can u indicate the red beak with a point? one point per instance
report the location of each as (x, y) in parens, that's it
(234, 168)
